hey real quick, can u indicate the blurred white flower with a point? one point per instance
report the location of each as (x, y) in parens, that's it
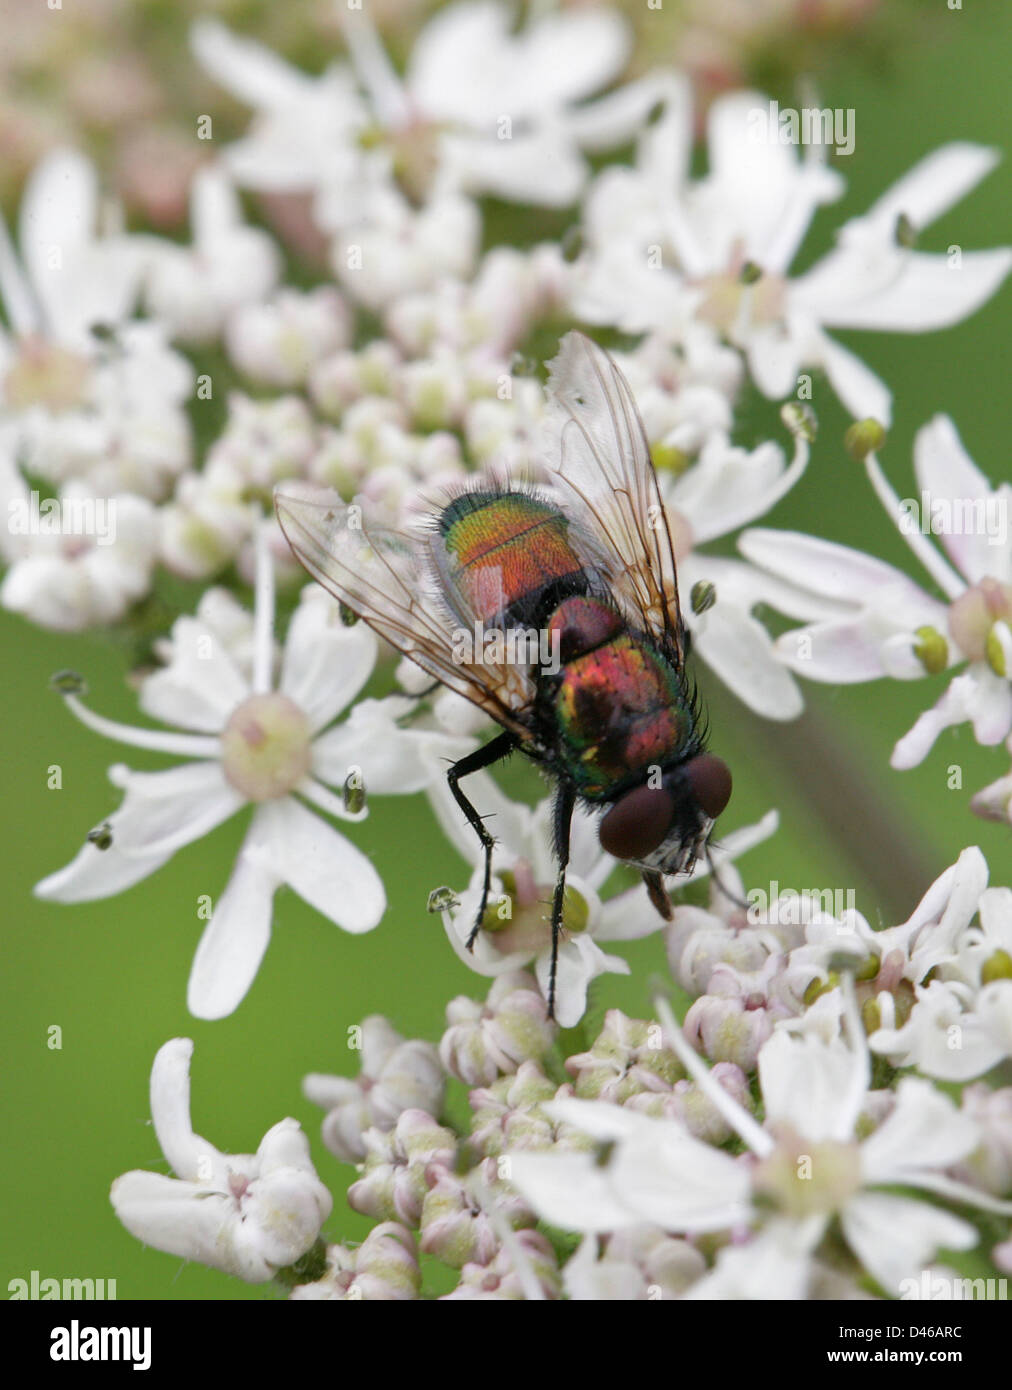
(480, 109)
(74, 577)
(884, 624)
(249, 1215)
(209, 521)
(277, 343)
(193, 289)
(664, 249)
(92, 393)
(269, 746)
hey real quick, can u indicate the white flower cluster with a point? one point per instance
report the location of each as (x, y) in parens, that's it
(684, 1181)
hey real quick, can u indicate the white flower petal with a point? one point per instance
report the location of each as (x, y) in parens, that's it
(95, 873)
(976, 695)
(896, 1237)
(741, 652)
(570, 1191)
(925, 292)
(188, 1220)
(187, 1152)
(774, 1264)
(324, 868)
(833, 571)
(545, 168)
(507, 820)
(774, 360)
(580, 961)
(252, 72)
(392, 759)
(923, 1131)
(863, 393)
(162, 811)
(946, 472)
(627, 916)
(805, 1082)
(935, 184)
(680, 1184)
(235, 939)
(325, 664)
(200, 687)
(467, 67)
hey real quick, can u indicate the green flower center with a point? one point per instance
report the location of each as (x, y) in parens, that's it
(803, 1178)
(265, 748)
(44, 374)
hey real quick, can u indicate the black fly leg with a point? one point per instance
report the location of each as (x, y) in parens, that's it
(500, 747)
(565, 800)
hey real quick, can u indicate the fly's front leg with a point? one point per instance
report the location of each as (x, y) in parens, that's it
(715, 876)
(565, 800)
(493, 752)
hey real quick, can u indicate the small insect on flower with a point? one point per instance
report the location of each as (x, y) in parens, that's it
(555, 609)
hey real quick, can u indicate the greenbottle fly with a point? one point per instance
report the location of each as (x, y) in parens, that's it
(584, 563)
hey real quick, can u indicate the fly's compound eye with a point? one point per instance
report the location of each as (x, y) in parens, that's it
(710, 781)
(637, 823)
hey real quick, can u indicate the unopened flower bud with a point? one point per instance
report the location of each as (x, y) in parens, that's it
(455, 1226)
(502, 1277)
(727, 1031)
(396, 1076)
(627, 1057)
(864, 437)
(483, 1041)
(393, 1183)
(383, 1268)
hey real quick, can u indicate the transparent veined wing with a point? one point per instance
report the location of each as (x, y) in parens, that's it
(598, 461)
(381, 575)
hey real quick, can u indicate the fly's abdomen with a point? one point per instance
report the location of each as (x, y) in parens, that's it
(502, 550)
(619, 711)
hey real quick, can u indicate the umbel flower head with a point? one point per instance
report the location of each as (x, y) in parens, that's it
(251, 742)
(808, 1165)
(665, 250)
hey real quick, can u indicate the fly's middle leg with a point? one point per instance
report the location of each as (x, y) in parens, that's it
(494, 752)
(565, 800)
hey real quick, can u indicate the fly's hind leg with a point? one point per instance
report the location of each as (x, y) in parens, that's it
(500, 747)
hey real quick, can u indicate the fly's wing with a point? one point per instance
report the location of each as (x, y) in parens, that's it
(599, 464)
(379, 575)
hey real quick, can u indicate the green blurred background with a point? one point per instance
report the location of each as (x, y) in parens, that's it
(112, 974)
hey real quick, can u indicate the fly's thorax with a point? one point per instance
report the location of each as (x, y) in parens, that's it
(618, 709)
(499, 551)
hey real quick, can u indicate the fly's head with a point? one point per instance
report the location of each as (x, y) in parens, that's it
(663, 828)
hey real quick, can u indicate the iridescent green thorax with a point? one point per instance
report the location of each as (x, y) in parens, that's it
(502, 548)
(620, 711)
